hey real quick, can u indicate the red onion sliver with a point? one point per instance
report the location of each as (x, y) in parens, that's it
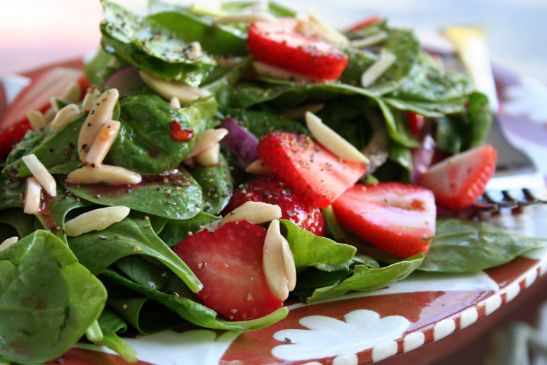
(239, 141)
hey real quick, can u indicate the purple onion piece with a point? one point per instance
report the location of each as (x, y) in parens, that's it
(126, 80)
(422, 157)
(240, 142)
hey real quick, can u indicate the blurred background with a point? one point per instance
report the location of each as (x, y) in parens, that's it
(34, 32)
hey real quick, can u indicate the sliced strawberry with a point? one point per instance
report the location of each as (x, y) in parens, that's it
(365, 23)
(278, 43)
(397, 218)
(415, 123)
(459, 180)
(274, 191)
(36, 96)
(310, 170)
(228, 262)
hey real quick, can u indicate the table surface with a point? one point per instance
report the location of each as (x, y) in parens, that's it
(40, 31)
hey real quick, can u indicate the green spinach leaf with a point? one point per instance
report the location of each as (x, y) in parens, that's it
(174, 196)
(195, 312)
(310, 250)
(111, 324)
(218, 40)
(21, 222)
(329, 285)
(479, 118)
(99, 250)
(261, 122)
(175, 231)
(217, 185)
(461, 246)
(147, 45)
(47, 299)
(144, 143)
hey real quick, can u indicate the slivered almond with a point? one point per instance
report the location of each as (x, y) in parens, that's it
(72, 93)
(244, 18)
(95, 220)
(168, 90)
(253, 212)
(209, 157)
(36, 119)
(89, 99)
(64, 117)
(258, 168)
(175, 103)
(300, 111)
(41, 174)
(312, 25)
(377, 69)
(8, 242)
(278, 262)
(332, 140)
(49, 115)
(207, 139)
(101, 146)
(273, 72)
(100, 113)
(33, 196)
(106, 174)
(369, 41)
(53, 102)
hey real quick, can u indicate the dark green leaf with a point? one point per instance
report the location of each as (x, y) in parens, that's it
(101, 66)
(217, 185)
(448, 136)
(11, 193)
(99, 250)
(144, 143)
(173, 196)
(362, 278)
(145, 315)
(427, 83)
(195, 312)
(21, 222)
(310, 250)
(47, 299)
(143, 271)
(260, 123)
(461, 246)
(214, 39)
(151, 47)
(111, 324)
(406, 49)
(479, 118)
(176, 231)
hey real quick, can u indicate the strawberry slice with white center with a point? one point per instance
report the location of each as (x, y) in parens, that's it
(36, 96)
(397, 218)
(228, 262)
(459, 180)
(279, 43)
(310, 170)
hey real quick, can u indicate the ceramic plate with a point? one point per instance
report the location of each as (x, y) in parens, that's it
(364, 328)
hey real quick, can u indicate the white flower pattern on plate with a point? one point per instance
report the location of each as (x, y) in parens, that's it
(529, 97)
(327, 336)
(204, 347)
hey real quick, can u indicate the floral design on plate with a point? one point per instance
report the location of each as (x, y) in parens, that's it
(329, 337)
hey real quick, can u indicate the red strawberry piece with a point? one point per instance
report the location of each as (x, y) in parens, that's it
(274, 191)
(35, 96)
(459, 180)
(397, 218)
(228, 262)
(278, 43)
(310, 170)
(415, 123)
(365, 23)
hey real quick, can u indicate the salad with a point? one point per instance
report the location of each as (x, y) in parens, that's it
(212, 165)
